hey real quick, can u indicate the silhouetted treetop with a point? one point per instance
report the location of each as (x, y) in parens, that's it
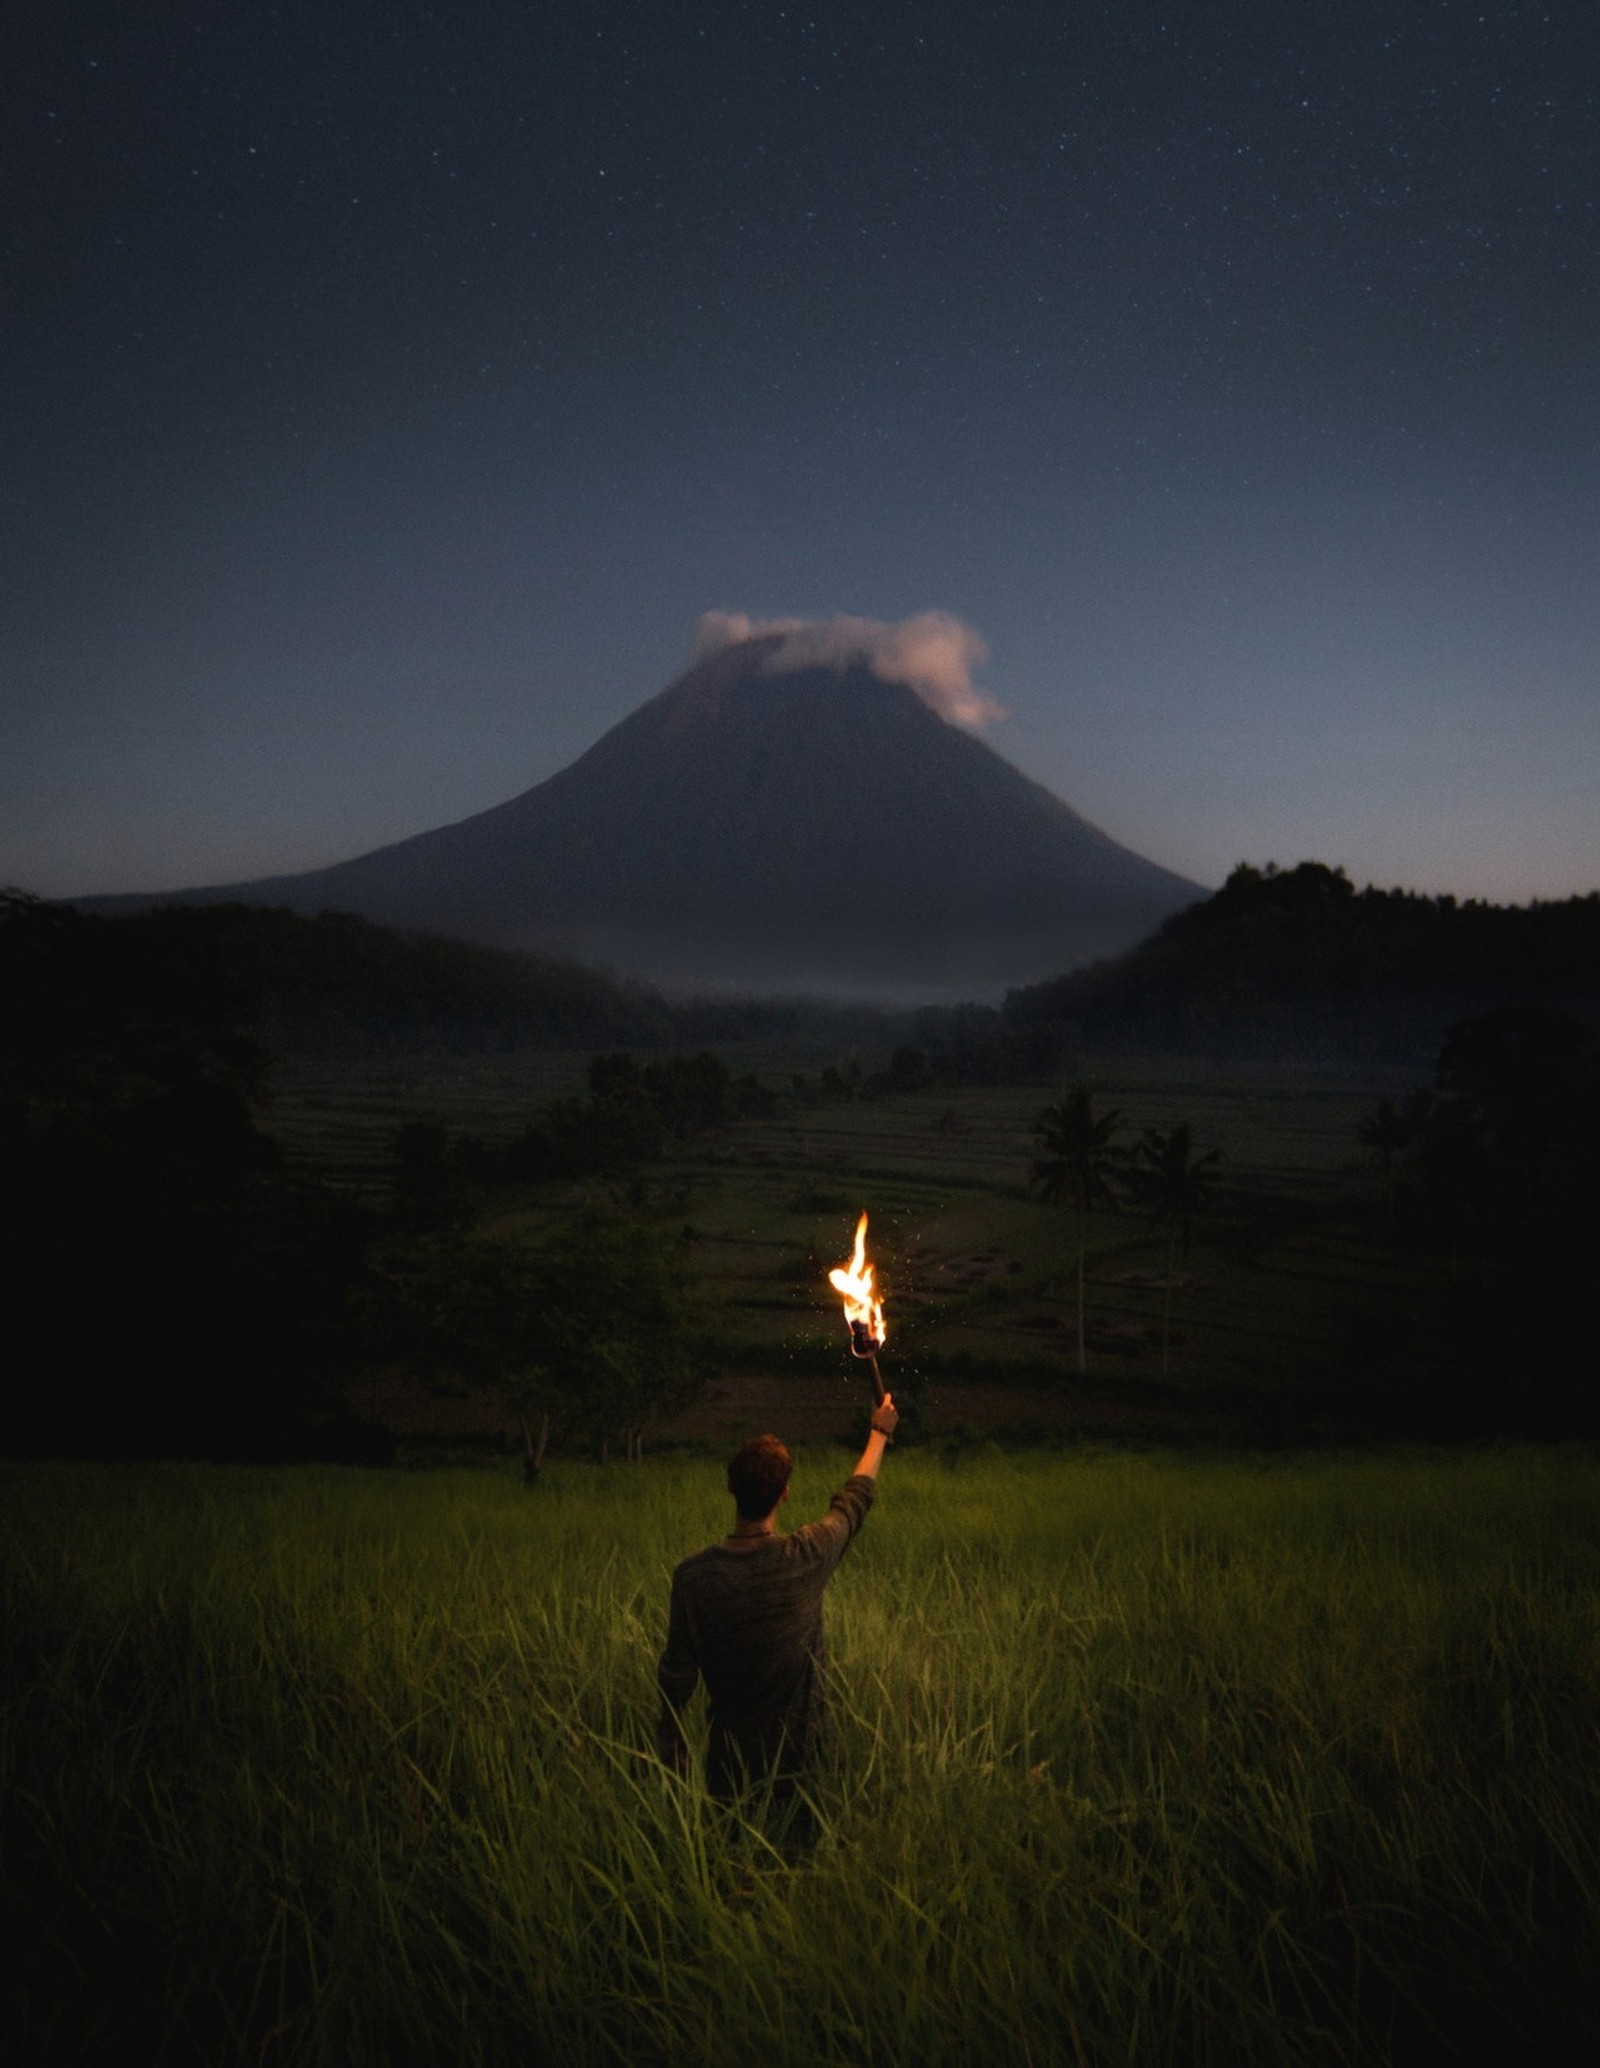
(1299, 960)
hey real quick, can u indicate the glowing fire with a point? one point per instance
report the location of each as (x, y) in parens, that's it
(863, 1311)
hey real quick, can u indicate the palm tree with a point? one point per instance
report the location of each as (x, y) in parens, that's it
(1077, 1169)
(1391, 1130)
(1176, 1185)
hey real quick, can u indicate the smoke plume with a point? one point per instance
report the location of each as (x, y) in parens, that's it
(933, 653)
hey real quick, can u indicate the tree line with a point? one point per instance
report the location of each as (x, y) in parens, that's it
(1299, 962)
(182, 1290)
(1492, 1171)
(1082, 1165)
(174, 1288)
(1495, 1167)
(334, 982)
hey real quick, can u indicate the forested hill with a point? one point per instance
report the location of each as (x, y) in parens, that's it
(1299, 962)
(336, 982)
(339, 981)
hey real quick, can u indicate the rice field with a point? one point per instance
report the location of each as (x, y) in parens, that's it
(1294, 1304)
(1141, 1759)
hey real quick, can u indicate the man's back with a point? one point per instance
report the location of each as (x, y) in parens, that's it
(748, 1619)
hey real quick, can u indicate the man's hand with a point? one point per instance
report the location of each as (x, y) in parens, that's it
(884, 1418)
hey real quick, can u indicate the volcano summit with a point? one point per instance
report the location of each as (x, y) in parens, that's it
(790, 814)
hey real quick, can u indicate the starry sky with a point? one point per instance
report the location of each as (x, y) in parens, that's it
(389, 388)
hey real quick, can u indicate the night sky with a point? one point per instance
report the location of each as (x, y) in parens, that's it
(389, 388)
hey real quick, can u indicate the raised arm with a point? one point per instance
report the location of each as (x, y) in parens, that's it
(884, 1418)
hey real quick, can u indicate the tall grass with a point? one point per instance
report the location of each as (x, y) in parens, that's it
(1140, 1760)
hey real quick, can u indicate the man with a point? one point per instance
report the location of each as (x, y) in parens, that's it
(746, 1617)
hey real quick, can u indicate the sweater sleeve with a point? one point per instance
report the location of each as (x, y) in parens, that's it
(677, 1676)
(828, 1540)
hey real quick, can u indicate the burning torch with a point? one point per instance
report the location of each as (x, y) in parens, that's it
(863, 1310)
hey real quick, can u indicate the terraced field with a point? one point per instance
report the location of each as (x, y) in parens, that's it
(1291, 1287)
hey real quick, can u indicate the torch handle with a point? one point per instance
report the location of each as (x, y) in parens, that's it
(877, 1383)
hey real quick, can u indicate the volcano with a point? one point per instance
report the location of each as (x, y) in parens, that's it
(821, 829)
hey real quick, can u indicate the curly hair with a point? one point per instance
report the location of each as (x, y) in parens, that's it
(758, 1472)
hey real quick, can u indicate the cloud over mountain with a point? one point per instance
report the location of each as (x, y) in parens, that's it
(932, 653)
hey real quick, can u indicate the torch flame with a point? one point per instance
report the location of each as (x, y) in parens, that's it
(863, 1310)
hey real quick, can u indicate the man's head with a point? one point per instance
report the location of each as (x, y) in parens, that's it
(758, 1477)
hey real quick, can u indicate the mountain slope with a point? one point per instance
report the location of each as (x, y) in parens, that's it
(818, 828)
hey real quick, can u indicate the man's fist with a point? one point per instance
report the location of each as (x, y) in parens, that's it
(885, 1416)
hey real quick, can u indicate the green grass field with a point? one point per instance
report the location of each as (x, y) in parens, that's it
(1141, 1759)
